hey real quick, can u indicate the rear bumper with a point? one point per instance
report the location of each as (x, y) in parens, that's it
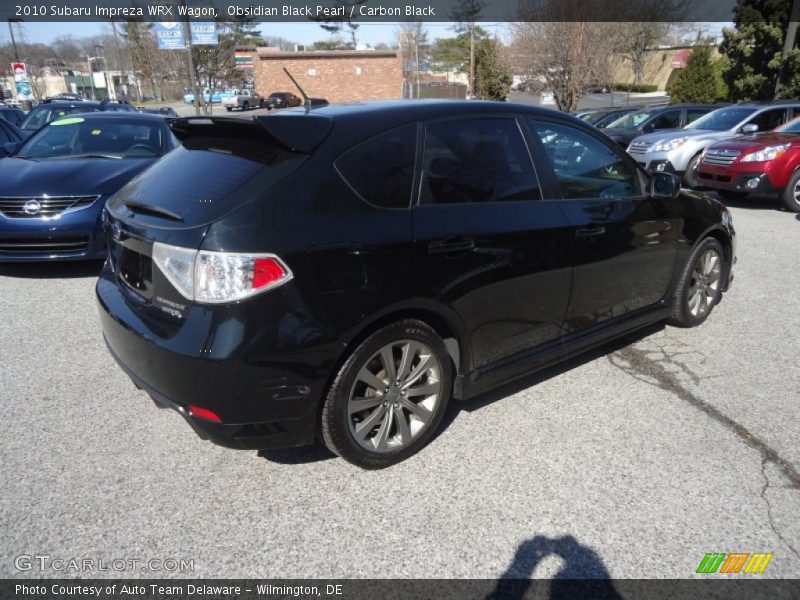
(265, 399)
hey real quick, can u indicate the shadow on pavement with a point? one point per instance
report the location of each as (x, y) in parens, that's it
(52, 270)
(298, 456)
(583, 574)
(318, 452)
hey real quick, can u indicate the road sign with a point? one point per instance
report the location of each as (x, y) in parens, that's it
(21, 80)
(170, 36)
(204, 33)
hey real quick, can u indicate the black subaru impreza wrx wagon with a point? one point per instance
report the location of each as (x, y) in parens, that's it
(341, 272)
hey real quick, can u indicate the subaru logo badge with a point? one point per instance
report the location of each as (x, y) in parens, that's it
(32, 207)
(116, 231)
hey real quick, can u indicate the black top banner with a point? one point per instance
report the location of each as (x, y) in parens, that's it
(371, 10)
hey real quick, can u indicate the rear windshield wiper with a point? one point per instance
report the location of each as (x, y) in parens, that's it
(148, 209)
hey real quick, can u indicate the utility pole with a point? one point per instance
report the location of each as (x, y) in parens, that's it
(472, 59)
(187, 33)
(788, 44)
(416, 57)
(13, 41)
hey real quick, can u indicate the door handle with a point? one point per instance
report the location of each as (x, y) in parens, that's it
(589, 232)
(453, 244)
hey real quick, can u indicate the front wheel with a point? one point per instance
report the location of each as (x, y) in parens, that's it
(791, 195)
(229, 108)
(690, 174)
(700, 286)
(389, 396)
(245, 105)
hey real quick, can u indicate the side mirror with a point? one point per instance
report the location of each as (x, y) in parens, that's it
(750, 128)
(10, 148)
(664, 186)
(649, 127)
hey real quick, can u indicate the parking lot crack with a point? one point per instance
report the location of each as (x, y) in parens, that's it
(771, 519)
(660, 369)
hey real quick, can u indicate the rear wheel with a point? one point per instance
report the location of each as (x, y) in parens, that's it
(245, 105)
(700, 286)
(389, 396)
(791, 195)
(229, 108)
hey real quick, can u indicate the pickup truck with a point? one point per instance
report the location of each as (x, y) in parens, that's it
(244, 99)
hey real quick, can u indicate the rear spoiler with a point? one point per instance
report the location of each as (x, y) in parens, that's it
(300, 132)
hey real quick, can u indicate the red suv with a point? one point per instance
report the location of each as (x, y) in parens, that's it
(765, 165)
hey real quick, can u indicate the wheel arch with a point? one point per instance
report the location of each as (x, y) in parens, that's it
(443, 320)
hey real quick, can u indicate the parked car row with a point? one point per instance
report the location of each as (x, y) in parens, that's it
(739, 150)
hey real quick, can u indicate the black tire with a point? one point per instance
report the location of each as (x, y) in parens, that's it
(336, 423)
(229, 108)
(245, 106)
(683, 311)
(689, 175)
(791, 194)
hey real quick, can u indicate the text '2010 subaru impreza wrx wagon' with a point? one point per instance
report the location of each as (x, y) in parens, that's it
(341, 272)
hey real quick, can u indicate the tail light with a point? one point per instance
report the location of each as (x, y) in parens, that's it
(219, 277)
(204, 413)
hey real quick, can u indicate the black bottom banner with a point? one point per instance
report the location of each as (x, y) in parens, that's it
(410, 589)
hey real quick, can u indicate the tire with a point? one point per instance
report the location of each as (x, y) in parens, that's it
(689, 177)
(245, 106)
(791, 194)
(700, 286)
(229, 108)
(392, 423)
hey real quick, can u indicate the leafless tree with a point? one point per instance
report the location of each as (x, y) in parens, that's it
(564, 57)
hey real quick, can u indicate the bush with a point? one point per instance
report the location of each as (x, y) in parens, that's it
(630, 87)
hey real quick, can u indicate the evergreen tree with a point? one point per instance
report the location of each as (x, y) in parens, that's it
(699, 81)
(754, 49)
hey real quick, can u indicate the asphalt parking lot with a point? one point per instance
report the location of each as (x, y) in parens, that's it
(631, 462)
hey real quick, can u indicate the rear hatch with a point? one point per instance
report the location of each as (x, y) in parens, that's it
(221, 165)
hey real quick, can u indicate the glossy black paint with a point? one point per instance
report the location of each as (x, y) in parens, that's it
(510, 286)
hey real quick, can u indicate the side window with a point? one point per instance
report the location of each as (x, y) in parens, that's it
(477, 160)
(584, 166)
(695, 113)
(381, 170)
(670, 119)
(4, 139)
(769, 119)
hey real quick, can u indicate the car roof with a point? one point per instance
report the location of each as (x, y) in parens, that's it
(70, 103)
(416, 109)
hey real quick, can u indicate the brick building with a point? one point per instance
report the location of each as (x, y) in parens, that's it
(338, 76)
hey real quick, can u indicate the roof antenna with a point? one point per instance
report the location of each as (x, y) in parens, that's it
(306, 99)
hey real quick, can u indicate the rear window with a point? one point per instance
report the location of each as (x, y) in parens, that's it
(381, 170)
(43, 116)
(209, 175)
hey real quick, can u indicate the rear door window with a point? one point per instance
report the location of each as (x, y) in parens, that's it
(693, 114)
(477, 160)
(670, 119)
(381, 170)
(769, 119)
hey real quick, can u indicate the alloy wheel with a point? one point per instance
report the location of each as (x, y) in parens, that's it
(395, 396)
(706, 278)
